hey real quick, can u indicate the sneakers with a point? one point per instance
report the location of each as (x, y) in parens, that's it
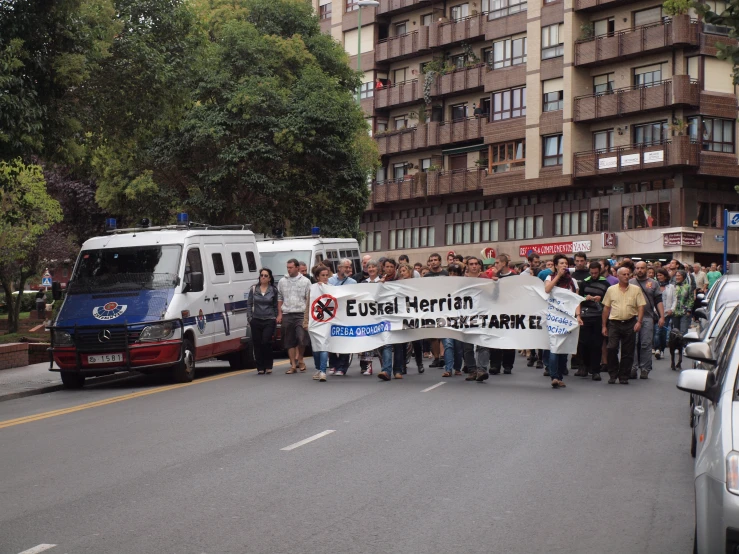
(494, 371)
(471, 376)
(658, 354)
(596, 377)
(316, 375)
(438, 362)
(644, 374)
(481, 376)
(508, 371)
(421, 369)
(331, 370)
(322, 376)
(555, 383)
(539, 364)
(633, 374)
(339, 373)
(530, 362)
(369, 371)
(546, 373)
(581, 373)
(383, 376)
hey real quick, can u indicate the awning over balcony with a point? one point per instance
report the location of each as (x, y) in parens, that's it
(464, 150)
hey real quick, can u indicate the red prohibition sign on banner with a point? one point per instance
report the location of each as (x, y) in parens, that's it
(324, 308)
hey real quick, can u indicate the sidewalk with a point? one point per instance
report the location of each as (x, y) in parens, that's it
(37, 379)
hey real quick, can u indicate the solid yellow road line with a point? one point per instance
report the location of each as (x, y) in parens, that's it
(121, 398)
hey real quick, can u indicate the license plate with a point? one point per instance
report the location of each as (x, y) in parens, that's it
(105, 359)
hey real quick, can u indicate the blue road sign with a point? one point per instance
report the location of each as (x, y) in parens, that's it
(46, 282)
(733, 219)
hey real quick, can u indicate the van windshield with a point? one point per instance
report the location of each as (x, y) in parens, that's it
(277, 261)
(126, 269)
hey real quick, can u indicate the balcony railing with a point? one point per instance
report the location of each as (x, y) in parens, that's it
(387, 6)
(398, 94)
(679, 151)
(459, 80)
(402, 46)
(434, 183)
(680, 90)
(593, 4)
(633, 42)
(431, 134)
(457, 30)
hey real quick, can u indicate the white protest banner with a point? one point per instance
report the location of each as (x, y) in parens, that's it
(510, 313)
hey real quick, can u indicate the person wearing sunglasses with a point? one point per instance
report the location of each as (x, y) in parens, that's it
(261, 312)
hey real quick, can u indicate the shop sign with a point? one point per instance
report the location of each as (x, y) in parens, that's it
(555, 248)
(607, 163)
(719, 238)
(629, 159)
(609, 240)
(654, 157)
(682, 239)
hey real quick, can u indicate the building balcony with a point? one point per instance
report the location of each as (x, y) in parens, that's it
(680, 151)
(504, 130)
(680, 90)
(399, 94)
(459, 80)
(423, 185)
(430, 135)
(388, 7)
(507, 77)
(402, 46)
(506, 24)
(718, 164)
(679, 31)
(445, 33)
(592, 5)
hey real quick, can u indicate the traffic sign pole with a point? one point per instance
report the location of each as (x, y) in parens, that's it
(726, 240)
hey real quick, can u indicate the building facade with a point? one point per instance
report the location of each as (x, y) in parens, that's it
(603, 126)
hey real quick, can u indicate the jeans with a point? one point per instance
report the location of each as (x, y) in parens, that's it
(320, 360)
(393, 358)
(621, 332)
(453, 354)
(557, 365)
(681, 322)
(590, 345)
(339, 361)
(644, 339)
(262, 331)
(660, 335)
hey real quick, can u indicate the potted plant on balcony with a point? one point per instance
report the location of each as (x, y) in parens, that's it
(678, 10)
(587, 31)
(676, 7)
(679, 127)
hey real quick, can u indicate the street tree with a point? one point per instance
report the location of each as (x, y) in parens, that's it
(27, 213)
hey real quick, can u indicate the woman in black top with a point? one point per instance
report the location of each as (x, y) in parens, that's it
(261, 311)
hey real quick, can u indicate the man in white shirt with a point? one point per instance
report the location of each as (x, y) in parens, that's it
(293, 294)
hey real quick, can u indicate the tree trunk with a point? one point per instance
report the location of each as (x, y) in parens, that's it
(16, 308)
(12, 320)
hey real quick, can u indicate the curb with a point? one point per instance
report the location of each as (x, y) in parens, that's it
(54, 388)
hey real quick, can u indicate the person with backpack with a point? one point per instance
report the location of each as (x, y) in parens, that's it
(654, 314)
(590, 342)
(261, 313)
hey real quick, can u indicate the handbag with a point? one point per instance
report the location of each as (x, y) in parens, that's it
(655, 313)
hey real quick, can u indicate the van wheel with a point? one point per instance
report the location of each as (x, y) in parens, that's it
(243, 359)
(72, 380)
(184, 371)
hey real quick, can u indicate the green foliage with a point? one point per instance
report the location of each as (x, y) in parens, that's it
(676, 7)
(587, 31)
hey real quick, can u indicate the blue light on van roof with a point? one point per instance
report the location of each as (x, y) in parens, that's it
(315, 231)
(182, 218)
(110, 224)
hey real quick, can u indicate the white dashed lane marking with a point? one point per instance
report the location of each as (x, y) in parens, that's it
(309, 439)
(38, 548)
(434, 386)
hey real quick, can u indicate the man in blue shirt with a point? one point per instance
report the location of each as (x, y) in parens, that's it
(340, 362)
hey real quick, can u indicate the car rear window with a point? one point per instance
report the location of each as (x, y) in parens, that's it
(729, 292)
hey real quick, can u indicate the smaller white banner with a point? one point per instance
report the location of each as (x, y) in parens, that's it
(630, 159)
(607, 163)
(654, 157)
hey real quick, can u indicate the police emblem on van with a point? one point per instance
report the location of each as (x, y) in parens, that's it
(109, 311)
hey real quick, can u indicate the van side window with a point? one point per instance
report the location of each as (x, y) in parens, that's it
(251, 261)
(194, 264)
(218, 266)
(238, 264)
(319, 259)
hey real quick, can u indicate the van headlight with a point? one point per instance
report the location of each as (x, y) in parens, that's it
(160, 331)
(62, 338)
(732, 472)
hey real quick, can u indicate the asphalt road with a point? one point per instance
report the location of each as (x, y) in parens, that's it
(509, 466)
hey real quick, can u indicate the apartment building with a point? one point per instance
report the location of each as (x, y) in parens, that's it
(602, 126)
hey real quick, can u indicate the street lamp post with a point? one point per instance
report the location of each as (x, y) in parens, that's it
(360, 5)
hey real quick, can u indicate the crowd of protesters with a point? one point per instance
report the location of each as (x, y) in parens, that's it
(627, 310)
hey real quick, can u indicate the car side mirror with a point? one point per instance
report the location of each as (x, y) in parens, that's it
(700, 296)
(56, 290)
(691, 336)
(193, 282)
(700, 382)
(700, 313)
(701, 352)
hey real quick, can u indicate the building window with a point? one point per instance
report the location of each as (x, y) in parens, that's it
(712, 215)
(401, 28)
(509, 52)
(603, 141)
(401, 122)
(651, 133)
(424, 164)
(553, 150)
(599, 220)
(553, 99)
(716, 135)
(351, 5)
(646, 215)
(400, 171)
(648, 76)
(506, 155)
(458, 61)
(459, 112)
(489, 231)
(509, 103)
(571, 223)
(692, 67)
(604, 27)
(502, 8)
(367, 90)
(648, 17)
(459, 12)
(603, 84)
(427, 19)
(552, 41)
(399, 75)
(539, 226)
(324, 12)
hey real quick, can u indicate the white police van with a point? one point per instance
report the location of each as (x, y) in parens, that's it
(156, 298)
(275, 252)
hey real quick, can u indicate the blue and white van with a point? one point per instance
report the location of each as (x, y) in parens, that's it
(156, 298)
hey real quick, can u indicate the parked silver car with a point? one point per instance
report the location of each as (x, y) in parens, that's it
(717, 428)
(724, 290)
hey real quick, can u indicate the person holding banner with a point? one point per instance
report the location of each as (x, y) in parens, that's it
(474, 269)
(453, 349)
(563, 279)
(373, 276)
(392, 355)
(435, 270)
(498, 356)
(320, 358)
(593, 289)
